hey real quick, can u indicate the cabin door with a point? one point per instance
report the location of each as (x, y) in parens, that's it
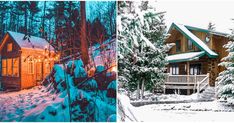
(39, 74)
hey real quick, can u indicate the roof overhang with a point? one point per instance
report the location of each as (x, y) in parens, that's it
(184, 57)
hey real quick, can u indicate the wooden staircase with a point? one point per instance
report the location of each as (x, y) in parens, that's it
(208, 94)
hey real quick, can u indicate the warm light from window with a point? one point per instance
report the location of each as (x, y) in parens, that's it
(9, 47)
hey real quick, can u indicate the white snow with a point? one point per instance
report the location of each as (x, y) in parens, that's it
(185, 56)
(196, 39)
(35, 42)
(183, 112)
(177, 112)
(14, 105)
(125, 110)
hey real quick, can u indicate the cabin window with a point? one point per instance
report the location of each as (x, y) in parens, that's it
(15, 66)
(4, 67)
(9, 67)
(195, 69)
(190, 45)
(9, 47)
(174, 69)
(178, 46)
(30, 67)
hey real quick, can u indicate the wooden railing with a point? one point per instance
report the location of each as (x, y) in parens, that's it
(195, 82)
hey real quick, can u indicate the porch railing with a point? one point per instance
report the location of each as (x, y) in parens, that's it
(195, 82)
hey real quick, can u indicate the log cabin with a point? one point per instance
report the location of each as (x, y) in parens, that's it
(25, 60)
(193, 60)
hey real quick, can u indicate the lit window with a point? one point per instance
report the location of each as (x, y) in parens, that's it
(16, 67)
(30, 67)
(9, 67)
(9, 47)
(4, 67)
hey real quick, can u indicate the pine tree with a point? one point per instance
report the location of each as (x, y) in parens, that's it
(225, 79)
(142, 52)
(211, 26)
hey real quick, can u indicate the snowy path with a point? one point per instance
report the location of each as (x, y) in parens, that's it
(192, 112)
(15, 104)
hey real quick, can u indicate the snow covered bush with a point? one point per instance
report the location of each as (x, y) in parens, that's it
(225, 80)
(141, 48)
(77, 98)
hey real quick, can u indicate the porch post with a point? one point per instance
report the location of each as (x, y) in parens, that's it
(187, 70)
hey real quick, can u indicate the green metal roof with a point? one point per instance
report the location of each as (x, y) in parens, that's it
(196, 41)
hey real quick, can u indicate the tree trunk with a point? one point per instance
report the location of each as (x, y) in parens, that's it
(142, 88)
(138, 90)
(84, 43)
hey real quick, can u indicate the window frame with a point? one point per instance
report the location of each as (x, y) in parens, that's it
(195, 69)
(190, 45)
(10, 67)
(9, 47)
(174, 69)
(178, 45)
(4, 68)
(15, 66)
(28, 67)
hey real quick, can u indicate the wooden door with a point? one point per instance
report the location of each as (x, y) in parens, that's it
(39, 74)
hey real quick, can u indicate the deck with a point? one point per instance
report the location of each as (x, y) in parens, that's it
(197, 83)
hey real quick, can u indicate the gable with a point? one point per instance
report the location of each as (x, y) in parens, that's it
(4, 44)
(195, 40)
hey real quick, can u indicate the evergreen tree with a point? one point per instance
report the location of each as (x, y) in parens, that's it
(142, 52)
(211, 26)
(225, 79)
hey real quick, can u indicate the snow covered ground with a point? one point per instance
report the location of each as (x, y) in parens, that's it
(183, 112)
(177, 112)
(15, 104)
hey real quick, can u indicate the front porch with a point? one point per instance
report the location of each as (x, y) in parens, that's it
(190, 72)
(194, 83)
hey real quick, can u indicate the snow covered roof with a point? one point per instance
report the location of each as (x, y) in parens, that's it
(185, 57)
(198, 42)
(206, 31)
(32, 42)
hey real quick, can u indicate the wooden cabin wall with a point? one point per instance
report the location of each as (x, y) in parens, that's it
(176, 35)
(30, 80)
(27, 80)
(10, 81)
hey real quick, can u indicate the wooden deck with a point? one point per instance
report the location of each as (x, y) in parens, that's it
(193, 82)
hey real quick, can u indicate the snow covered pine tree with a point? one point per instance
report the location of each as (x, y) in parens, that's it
(225, 79)
(142, 52)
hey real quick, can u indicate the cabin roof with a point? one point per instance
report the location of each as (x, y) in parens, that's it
(206, 31)
(185, 57)
(198, 42)
(31, 42)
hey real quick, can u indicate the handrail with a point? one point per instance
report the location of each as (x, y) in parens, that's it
(204, 75)
(199, 82)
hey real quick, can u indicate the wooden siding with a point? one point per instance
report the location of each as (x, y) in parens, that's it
(30, 79)
(208, 65)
